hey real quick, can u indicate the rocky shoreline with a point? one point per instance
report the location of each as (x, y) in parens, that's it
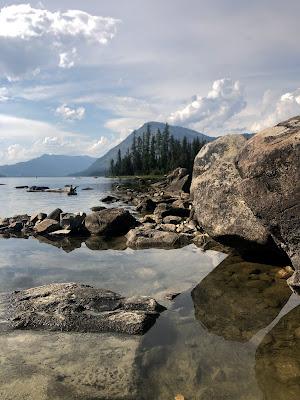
(243, 195)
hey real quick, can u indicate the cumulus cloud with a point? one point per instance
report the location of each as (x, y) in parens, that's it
(40, 37)
(223, 101)
(277, 110)
(70, 114)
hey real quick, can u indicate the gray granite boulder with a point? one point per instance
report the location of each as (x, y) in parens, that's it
(80, 308)
(269, 166)
(220, 208)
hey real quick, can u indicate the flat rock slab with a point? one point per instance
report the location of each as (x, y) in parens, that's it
(80, 308)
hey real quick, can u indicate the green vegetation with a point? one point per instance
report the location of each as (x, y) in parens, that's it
(156, 154)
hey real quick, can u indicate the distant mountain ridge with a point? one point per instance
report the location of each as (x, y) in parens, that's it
(102, 164)
(47, 165)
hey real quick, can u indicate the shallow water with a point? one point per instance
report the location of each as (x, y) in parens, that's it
(233, 333)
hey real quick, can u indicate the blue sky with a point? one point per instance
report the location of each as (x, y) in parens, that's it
(76, 77)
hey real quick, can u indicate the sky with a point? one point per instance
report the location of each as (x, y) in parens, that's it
(76, 77)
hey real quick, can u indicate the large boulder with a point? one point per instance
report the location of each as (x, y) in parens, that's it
(269, 166)
(220, 208)
(81, 308)
(110, 222)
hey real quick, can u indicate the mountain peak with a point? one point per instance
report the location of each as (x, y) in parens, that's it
(101, 165)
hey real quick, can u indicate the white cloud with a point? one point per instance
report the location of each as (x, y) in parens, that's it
(224, 100)
(67, 59)
(31, 38)
(23, 139)
(4, 96)
(70, 114)
(277, 110)
(123, 126)
(12, 128)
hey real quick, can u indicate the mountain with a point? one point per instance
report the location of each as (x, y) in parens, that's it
(48, 165)
(102, 164)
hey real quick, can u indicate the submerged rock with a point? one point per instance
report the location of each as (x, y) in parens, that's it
(277, 359)
(238, 298)
(81, 308)
(110, 222)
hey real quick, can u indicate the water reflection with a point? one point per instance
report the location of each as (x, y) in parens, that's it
(278, 359)
(200, 347)
(239, 298)
(214, 359)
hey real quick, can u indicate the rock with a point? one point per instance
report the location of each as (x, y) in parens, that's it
(146, 205)
(180, 204)
(277, 366)
(37, 217)
(220, 208)
(239, 298)
(109, 199)
(178, 181)
(47, 226)
(172, 296)
(98, 208)
(176, 211)
(61, 232)
(285, 273)
(167, 227)
(110, 222)
(143, 238)
(72, 222)
(172, 219)
(148, 218)
(81, 308)
(269, 164)
(55, 214)
(15, 226)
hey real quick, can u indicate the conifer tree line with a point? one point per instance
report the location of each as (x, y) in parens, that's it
(156, 154)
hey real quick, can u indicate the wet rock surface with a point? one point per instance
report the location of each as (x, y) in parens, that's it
(80, 308)
(239, 298)
(278, 359)
(67, 366)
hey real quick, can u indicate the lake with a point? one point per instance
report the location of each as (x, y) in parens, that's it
(231, 334)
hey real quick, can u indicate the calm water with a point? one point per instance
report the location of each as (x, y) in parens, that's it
(233, 333)
(17, 201)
